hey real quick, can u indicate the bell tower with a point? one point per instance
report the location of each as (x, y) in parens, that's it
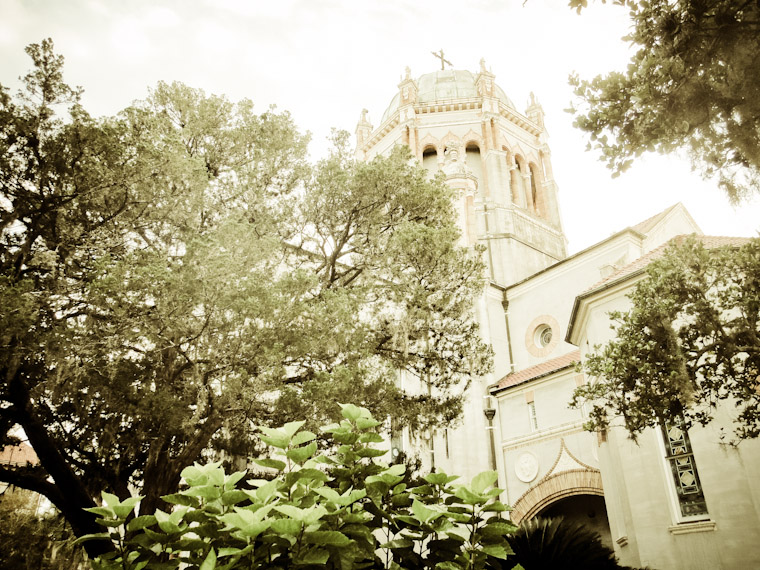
(463, 124)
(497, 160)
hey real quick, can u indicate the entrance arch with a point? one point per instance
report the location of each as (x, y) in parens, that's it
(555, 487)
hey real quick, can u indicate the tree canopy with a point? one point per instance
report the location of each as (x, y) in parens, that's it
(177, 274)
(689, 345)
(693, 85)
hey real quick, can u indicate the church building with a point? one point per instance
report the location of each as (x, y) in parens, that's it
(675, 500)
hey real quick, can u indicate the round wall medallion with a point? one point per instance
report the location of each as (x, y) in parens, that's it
(526, 467)
(542, 336)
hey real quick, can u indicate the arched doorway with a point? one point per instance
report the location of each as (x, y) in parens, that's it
(575, 494)
(588, 510)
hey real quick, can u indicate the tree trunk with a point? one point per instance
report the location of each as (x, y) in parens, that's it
(68, 494)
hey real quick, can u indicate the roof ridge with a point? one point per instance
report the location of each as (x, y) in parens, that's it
(537, 370)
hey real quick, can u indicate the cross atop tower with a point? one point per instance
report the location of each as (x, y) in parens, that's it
(443, 60)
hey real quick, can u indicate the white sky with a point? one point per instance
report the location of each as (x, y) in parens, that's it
(325, 60)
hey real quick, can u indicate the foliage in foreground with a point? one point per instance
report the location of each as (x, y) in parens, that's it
(690, 342)
(693, 84)
(176, 274)
(345, 510)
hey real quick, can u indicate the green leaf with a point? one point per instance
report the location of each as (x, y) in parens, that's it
(233, 479)
(422, 513)
(483, 480)
(280, 441)
(110, 522)
(438, 478)
(330, 494)
(313, 514)
(210, 562)
(366, 423)
(95, 536)
(291, 428)
(497, 528)
(234, 497)
(271, 463)
(286, 527)
(370, 452)
(468, 496)
(140, 522)
(229, 551)
(301, 454)
(350, 412)
(266, 491)
(314, 556)
(302, 437)
(167, 522)
(109, 499)
(326, 537)
(398, 543)
(100, 511)
(208, 492)
(495, 550)
(495, 507)
(181, 499)
(291, 511)
(246, 522)
(370, 437)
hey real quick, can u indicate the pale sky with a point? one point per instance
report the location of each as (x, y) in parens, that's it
(326, 60)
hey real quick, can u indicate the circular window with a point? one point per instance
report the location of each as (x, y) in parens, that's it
(543, 336)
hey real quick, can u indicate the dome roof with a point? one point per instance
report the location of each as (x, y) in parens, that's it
(443, 85)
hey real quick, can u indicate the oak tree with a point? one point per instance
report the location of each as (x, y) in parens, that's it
(692, 85)
(689, 345)
(177, 274)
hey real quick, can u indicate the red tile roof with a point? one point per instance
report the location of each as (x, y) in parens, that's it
(537, 371)
(20, 454)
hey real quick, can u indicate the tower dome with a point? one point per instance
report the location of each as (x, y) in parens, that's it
(462, 125)
(446, 85)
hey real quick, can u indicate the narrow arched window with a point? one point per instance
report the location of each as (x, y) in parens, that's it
(430, 160)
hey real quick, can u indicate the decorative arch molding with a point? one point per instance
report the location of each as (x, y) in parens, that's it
(555, 487)
(451, 140)
(428, 141)
(473, 139)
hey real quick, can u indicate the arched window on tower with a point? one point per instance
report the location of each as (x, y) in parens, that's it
(430, 160)
(514, 181)
(536, 195)
(472, 159)
(509, 195)
(522, 173)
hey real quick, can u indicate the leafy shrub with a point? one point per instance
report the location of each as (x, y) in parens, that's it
(345, 510)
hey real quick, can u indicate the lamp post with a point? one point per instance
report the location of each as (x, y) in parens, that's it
(490, 412)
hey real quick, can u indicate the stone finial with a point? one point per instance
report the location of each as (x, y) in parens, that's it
(534, 111)
(363, 129)
(408, 88)
(483, 65)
